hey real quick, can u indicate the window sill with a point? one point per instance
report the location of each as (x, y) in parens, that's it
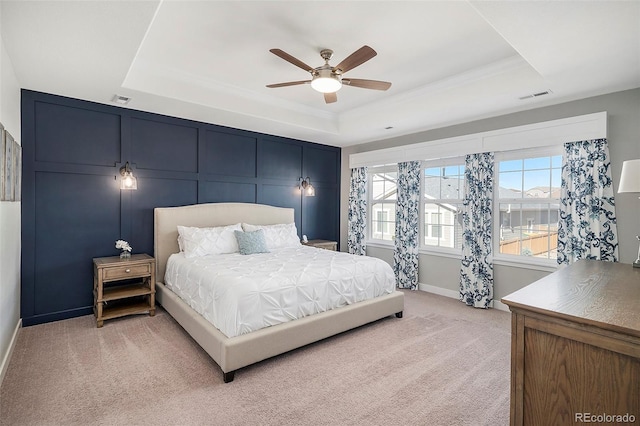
(453, 254)
(538, 265)
(380, 244)
(430, 252)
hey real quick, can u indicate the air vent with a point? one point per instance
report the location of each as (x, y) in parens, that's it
(535, 95)
(119, 99)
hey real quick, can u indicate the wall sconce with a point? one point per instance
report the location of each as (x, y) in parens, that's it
(127, 179)
(306, 187)
(630, 182)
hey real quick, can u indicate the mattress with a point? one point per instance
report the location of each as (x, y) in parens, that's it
(239, 294)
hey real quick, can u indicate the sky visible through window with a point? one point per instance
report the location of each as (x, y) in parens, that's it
(519, 175)
(523, 175)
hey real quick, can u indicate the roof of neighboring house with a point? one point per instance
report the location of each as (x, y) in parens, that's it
(451, 189)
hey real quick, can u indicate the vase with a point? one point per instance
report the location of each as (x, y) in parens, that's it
(125, 254)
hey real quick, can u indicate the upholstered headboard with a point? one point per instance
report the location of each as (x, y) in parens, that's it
(167, 219)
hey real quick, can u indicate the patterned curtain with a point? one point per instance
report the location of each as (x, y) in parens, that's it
(476, 273)
(357, 225)
(405, 255)
(587, 226)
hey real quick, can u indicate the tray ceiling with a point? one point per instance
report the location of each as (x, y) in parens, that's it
(449, 62)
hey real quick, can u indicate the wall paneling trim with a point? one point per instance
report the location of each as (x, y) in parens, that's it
(73, 209)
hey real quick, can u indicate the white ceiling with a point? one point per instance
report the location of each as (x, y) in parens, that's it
(449, 61)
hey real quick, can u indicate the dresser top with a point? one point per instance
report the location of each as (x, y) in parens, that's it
(603, 294)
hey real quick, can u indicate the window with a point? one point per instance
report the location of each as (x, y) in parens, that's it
(526, 203)
(528, 199)
(442, 191)
(527, 187)
(382, 210)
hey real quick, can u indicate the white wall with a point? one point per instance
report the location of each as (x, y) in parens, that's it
(623, 133)
(9, 218)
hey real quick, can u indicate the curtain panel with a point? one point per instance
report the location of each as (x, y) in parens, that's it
(357, 222)
(476, 272)
(405, 255)
(587, 227)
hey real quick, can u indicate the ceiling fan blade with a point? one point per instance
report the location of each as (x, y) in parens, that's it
(366, 84)
(288, 83)
(358, 57)
(330, 97)
(297, 62)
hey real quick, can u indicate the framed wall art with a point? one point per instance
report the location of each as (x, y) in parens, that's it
(17, 168)
(10, 167)
(2, 143)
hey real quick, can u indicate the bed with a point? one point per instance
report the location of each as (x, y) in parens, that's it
(233, 353)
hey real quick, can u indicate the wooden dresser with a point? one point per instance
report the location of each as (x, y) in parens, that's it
(575, 346)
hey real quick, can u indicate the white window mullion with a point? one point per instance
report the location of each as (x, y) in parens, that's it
(528, 213)
(441, 194)
(381, 196)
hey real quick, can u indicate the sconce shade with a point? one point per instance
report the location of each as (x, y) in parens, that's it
(630, 182)
(306, 187)
(311, 191)
(127, 180)
(630, 176)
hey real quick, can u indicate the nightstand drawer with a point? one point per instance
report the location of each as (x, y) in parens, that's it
(126, 271)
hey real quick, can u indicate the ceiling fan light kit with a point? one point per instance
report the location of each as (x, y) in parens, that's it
(326, 82)
(327, 79)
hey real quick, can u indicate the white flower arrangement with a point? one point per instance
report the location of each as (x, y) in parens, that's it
(123, 245)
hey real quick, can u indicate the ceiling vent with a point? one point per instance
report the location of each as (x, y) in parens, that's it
(121, 100)
(535, 95)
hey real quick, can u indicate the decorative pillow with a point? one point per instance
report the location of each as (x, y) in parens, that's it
(277, 236)
(196, 242)
(251, 242)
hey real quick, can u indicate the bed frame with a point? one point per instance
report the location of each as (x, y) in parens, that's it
(237, 352)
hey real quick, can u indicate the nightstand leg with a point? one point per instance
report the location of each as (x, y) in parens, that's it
(99, 313)
(152, 312)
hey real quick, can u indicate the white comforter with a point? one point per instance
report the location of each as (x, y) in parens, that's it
(240, 294)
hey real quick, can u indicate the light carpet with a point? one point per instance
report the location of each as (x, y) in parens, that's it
(442, 364)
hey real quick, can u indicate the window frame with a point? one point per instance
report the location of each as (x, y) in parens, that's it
(513, 259)
(520, 261)
(383, 168)
(432, 249)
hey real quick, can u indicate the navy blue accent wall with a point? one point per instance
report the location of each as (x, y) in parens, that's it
(73, 209)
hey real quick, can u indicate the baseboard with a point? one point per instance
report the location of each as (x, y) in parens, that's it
(438, 290)
(500, 306)
(7, 356)
(28, 321)
(455, 295)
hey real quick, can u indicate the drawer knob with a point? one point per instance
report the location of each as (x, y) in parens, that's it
(127, 270)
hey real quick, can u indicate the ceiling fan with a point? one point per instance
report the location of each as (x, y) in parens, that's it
(327, 79)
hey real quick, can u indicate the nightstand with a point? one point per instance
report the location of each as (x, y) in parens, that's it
(123, 286)
(323, 244)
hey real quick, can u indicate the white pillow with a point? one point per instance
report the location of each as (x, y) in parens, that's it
(277, 236)
(196, 242)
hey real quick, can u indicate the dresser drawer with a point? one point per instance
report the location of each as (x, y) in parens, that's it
(126, 271)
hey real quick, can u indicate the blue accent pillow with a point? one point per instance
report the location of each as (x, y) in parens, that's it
(251, 242)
